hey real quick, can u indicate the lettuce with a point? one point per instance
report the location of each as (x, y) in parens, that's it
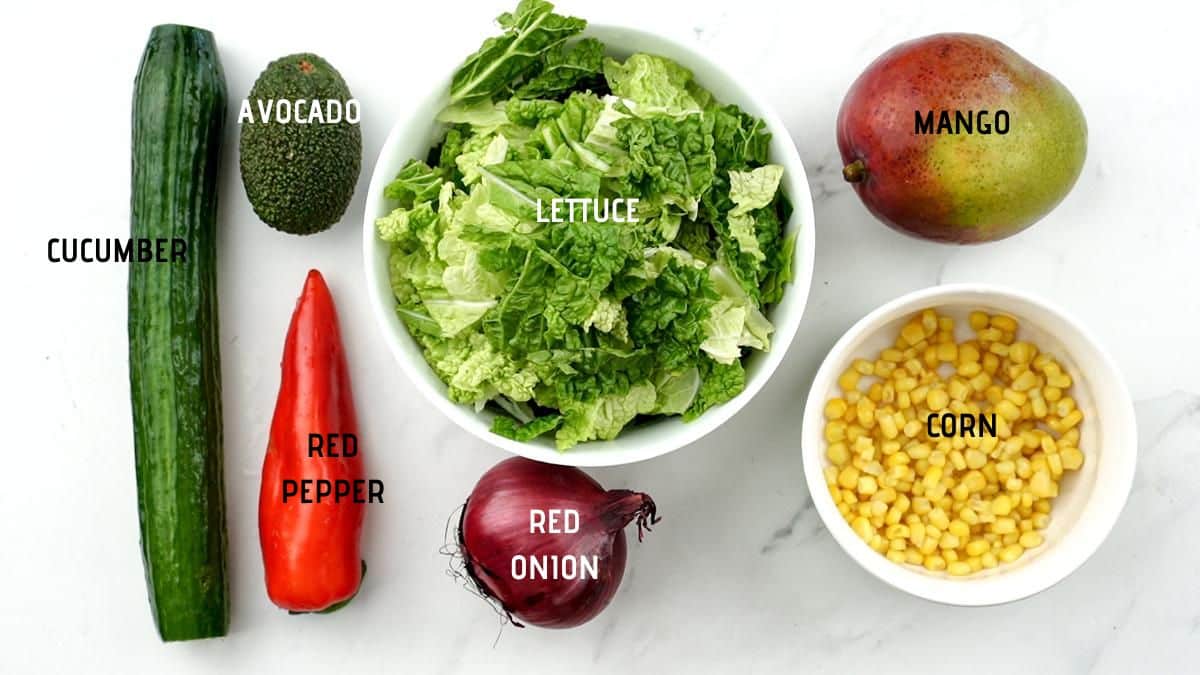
(579, 329)
(530, 32)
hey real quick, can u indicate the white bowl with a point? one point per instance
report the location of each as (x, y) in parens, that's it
(416, 131)
(1090, 499)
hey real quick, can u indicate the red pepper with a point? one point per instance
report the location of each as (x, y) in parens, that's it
(311, 550)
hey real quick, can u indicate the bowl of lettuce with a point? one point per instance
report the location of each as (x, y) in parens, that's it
(588, 341)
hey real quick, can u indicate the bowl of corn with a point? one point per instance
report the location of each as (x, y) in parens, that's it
(969, 444)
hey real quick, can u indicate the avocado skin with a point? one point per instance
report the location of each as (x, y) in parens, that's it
(300, 177)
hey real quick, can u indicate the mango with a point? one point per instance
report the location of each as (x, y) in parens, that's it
(957, 138)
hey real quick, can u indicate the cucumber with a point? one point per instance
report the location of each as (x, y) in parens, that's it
(174, 360)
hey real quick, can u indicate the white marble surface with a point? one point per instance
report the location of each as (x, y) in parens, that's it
(740, 576)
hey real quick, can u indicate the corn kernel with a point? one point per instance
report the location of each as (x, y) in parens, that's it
(990, 335)
(929, 545)
(1060, 380)
(1072, 419)
(978, 321)
(977, 547)
(862, 527)
(1010, 553)
(1004, 526)
(831, 473)
(939, 519)
(934, 563)
(835, 408)
(867, 485)
(959, 568)
(1025, 381)
(912, 333)
(1072, 458)
(1041, 485)
(849, 380)
(959, 529)
(1021, 352)
(1030, 540)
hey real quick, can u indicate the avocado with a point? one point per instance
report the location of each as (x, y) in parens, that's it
(300, 168)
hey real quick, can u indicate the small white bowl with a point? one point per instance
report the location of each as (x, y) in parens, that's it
(1090, 499)
(415, 131)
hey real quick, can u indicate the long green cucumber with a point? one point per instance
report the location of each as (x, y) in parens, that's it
(174, 359)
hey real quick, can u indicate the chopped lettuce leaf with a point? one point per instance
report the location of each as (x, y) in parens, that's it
(604, 417)
(510, 428)
(530, 32)
(652, 81)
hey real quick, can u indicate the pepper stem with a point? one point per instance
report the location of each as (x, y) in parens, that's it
(855, 172)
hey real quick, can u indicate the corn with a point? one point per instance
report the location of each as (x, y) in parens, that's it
(938, 518)
(863, 528)
(978, 547)
(1010, 553)
(1030, 540)
(964, 503)
(1021, 352)
(916, 533)
(912, 333)
(968, 516)
(1055, 464)
(957, 460)
(959, 568)
(867, 485)
(1025, 381)
(835, 408)
(1041, 485)
(1060, 380)
(1072, 459)
(1072, 420)
(978, 321)
(990, 335)
(937, 400)
(934, 563)
(1004, 526)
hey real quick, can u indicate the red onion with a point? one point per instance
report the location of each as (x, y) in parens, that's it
(547, 542)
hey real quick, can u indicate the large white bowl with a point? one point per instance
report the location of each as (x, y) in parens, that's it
(1089, 500)
(416, 131)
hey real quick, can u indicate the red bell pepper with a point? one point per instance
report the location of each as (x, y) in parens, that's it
(311, 547)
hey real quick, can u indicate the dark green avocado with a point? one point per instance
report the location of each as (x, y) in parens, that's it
(299, 177)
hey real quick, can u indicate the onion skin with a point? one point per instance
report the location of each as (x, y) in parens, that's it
(495, 527)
